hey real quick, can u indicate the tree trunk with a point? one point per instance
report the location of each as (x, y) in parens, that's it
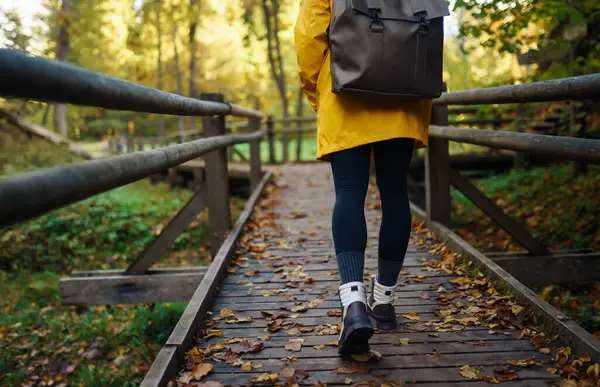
(277, 69)
(177, 70)
(194, 14)
(299, 114)
(161, 120)
(62, 54)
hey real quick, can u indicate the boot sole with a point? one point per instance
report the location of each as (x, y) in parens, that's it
(357, 337)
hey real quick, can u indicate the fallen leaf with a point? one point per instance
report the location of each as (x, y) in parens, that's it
(209, 384)
(355, 369)
(404, 341)
(294, 345)
(247, 346)
(201, 370)
(226, 313)
(288, 372)
(299, 309)
(334, 313)
(411, 316)
(319, 347)
(348, 381)
(255, 273)
(267, 377)
(469, 372)
(309, 280)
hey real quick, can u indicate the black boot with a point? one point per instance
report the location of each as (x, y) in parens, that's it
(356, 324)
(381, 306)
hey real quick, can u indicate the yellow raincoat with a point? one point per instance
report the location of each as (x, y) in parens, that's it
(346, 123)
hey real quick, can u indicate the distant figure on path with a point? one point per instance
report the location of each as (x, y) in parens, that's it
(367, 109)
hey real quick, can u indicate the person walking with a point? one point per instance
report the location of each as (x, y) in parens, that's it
(364, 110)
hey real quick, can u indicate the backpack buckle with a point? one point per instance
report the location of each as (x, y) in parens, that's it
(377, 25)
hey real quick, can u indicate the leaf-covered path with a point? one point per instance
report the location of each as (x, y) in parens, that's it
(275, 320)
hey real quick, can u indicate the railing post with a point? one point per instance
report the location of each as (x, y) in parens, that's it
(255, 162)
(299, 124)
(271, 137)
(437, 180)
(519, 158)
(130, 144)
(217, 179)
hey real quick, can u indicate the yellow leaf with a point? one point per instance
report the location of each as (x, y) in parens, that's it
(267, 377)
(348, 381)
(404, 341)
(319, 347)
(411, 316)
(226, 312)
(469, 372)
(201, 370)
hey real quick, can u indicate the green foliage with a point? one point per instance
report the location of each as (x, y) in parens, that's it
(96, 346)
(20, 154)
(561, 210)
(105, 231)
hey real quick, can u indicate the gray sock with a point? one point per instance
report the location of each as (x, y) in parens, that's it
(388, 271)
(351, 265)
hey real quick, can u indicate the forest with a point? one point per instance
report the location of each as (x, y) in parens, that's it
(245, 50)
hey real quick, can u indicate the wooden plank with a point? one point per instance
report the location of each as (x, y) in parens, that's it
(156, 270)
(414, 360)
(437, 182)
(165, 366)
(569, 333)
(414, 375)
(508, 224)
(217, 179)
(155, 249)
(557, 270)
(255, 162)
(233, 297)
(123, 289)
(456, 349)
(194, 313)
(470, 334)
(502, 254)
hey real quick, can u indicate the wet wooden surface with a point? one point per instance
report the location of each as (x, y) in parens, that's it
(287, 266)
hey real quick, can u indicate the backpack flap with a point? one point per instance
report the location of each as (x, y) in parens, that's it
(406, 10)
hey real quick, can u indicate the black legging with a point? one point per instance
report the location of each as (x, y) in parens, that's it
(351, 178)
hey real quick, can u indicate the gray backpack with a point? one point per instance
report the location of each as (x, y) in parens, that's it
(388, 49)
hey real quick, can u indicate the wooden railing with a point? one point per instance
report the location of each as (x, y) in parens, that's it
(29, 196)
(541, 266)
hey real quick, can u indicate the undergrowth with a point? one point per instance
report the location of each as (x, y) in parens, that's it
(45, 343)
(559, 209)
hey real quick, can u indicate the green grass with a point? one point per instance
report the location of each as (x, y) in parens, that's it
(309, 150)
(99, 346)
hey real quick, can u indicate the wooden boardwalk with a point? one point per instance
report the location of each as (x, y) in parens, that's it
(276, 314)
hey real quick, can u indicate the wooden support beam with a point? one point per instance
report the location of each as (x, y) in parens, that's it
(553, 270)
(255, 162)
(217, 179)
(182, 335)
(569, 333)
(271, 138)
(151, 271)
(508, 224)
(125, 289)
(437, 162)
(165, 239)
